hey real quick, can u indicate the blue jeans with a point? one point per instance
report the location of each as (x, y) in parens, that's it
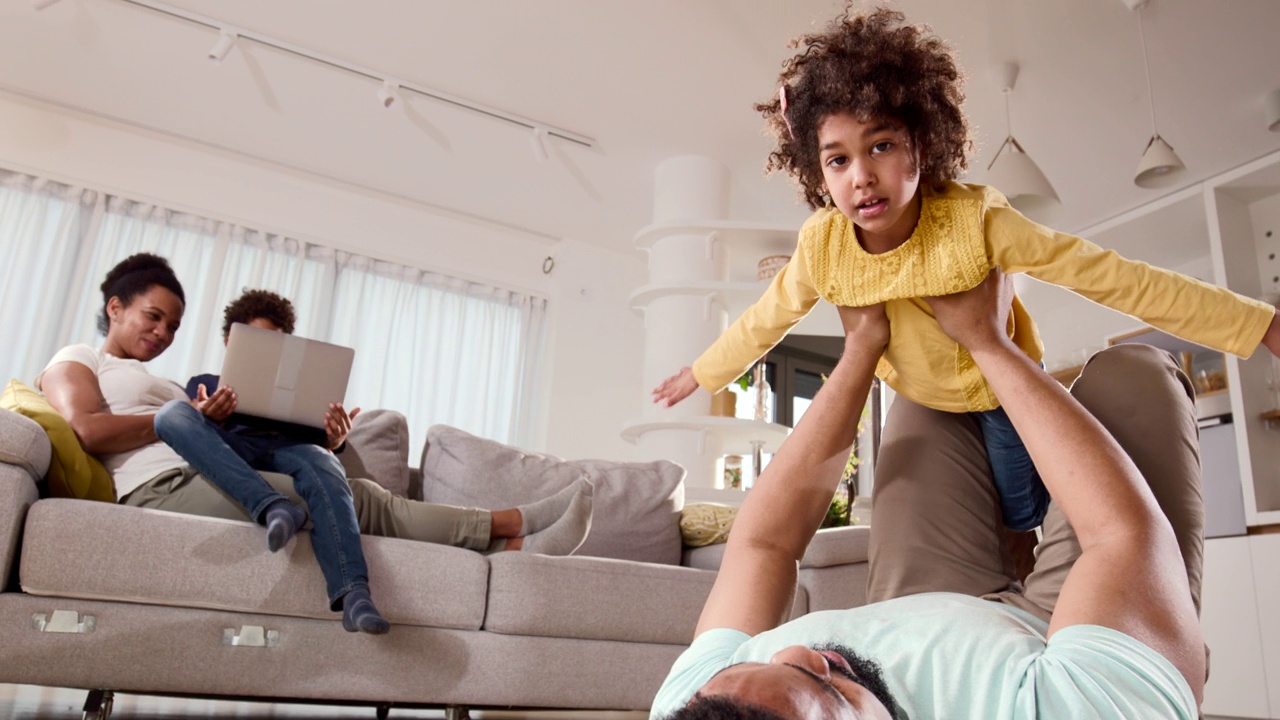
(1023, 497)
(228, 461)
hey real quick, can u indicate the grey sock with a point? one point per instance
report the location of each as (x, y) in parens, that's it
(540, 515)
(568, 533)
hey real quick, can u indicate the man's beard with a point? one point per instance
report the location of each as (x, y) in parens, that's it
(868, 676)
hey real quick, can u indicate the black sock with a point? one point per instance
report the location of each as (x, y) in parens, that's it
(360, 615)
(283, 520)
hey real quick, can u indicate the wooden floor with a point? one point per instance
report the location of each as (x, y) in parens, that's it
(28, 702)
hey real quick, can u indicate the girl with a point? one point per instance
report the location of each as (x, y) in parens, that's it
(868, 120)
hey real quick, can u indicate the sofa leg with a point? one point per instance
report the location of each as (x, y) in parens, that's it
(383, 711)
(454, 712)
(97, 705)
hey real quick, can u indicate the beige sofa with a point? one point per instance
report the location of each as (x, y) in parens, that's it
(113, 598)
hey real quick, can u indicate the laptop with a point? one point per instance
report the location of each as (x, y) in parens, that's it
(285, 378)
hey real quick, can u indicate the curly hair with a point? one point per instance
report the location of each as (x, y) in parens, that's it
(133, 276)
(876, 67)
(263, 304)
(722, 708)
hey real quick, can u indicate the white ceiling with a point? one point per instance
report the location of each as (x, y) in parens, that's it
(647, 80)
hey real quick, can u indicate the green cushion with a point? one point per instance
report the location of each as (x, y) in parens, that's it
(73, 473)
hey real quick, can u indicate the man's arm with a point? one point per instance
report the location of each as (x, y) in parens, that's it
(754, 588)
(1130, 576)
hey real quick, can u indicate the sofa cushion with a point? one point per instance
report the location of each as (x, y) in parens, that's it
(155, 557)
(636, 508)
(830, 547)
(378, 449)
(706, 523)
(24, 444)
(72, 472)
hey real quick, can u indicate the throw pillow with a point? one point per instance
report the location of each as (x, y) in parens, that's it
(378, 449)
(706, 523)
(73, 473)
(635, 508)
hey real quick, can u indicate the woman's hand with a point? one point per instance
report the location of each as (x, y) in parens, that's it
(337, 424)
(218, 406)
(977, 318)
(676, 388)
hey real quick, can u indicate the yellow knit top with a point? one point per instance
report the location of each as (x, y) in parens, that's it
(963, 232)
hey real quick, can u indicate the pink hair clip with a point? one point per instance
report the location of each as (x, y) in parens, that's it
(782, 102)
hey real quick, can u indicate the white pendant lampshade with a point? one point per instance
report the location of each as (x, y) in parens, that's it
(1015, 174)
(1160, 165)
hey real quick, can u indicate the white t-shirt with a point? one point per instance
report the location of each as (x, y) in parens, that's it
(945, 655)
(129, 390)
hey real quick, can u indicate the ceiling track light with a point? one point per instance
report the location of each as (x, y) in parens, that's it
(1012, 171)
(1272, 104)
(1159, 166)
(540, 143)
(42, 4)
(389, 94)
(224, 46)
(226, 41)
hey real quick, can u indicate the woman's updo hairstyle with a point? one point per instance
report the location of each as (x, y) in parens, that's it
(133, 276)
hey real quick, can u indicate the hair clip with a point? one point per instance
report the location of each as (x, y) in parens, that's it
(782, 110)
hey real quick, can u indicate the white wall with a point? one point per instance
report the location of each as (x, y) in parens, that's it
(594, 345)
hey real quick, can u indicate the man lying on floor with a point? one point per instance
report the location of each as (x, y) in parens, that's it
(1106, 626)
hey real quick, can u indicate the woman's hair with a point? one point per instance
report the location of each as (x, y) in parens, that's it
(133, 276)
(875, 67)
(263, 304)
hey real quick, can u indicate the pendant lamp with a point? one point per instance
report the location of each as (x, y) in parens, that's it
(1012, 171)
(1160, 166)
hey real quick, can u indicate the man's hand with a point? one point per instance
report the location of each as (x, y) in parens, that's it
(977, 318)
(218, 406)
(337, 423)
(675, 388)
(1272, 338)
(865, 328)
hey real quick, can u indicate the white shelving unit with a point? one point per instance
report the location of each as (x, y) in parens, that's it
(702, 271)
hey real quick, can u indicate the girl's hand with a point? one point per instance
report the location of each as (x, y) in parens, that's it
(218, 406)
(675, 388)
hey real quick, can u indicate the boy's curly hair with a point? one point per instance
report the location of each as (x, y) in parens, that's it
(874, 66)
(259, 304)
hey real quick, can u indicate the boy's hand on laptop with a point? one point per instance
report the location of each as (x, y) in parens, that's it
(337, 423)
(217, 406)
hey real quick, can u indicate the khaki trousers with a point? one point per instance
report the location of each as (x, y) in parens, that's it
(378, 512)
(937, 519)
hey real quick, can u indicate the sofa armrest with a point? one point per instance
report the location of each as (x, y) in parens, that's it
(829, 547)
(24, 459)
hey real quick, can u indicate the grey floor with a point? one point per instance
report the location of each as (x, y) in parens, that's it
(29, 702)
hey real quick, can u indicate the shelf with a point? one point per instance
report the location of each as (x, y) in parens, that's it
(733, 296)
(736, 434)
(746, 242)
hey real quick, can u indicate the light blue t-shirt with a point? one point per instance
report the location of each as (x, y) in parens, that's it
(953, 656)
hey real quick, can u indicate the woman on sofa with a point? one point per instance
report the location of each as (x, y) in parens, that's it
(110, 401)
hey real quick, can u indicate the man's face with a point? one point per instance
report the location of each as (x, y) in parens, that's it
(803, 683)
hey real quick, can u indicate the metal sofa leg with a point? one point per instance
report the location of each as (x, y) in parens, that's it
(97, 705)
(454, 712)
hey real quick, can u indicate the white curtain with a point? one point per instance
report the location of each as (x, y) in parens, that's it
(42, 228)
(436, 348)
(448, 350)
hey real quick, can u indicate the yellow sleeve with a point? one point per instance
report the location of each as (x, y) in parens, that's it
(1179, 305)
(788, 299)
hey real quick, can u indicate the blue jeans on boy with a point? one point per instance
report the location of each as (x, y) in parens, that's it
(1023, 497)
(228, 460)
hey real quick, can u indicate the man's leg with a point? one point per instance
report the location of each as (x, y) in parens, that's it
(937, 524)
(1141, 397)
